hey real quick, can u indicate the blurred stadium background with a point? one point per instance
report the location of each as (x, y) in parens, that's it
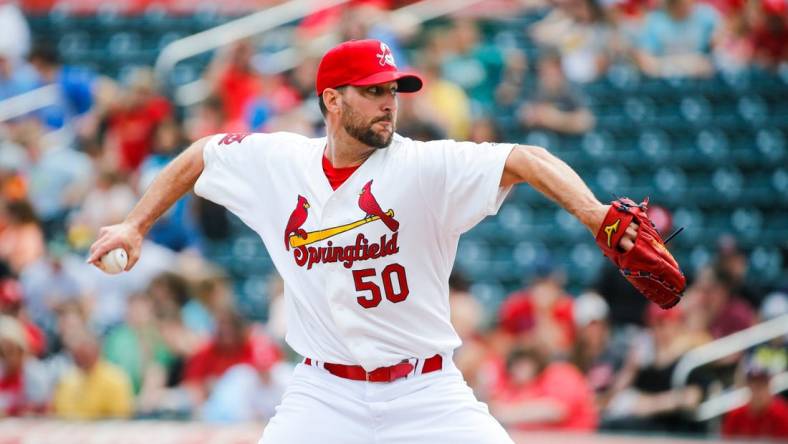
(684, 101)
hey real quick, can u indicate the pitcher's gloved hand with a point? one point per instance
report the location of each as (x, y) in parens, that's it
(648, 265)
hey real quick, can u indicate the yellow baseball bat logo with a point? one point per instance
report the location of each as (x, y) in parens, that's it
(319, 235)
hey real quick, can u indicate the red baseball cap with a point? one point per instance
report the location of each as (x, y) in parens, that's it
(361, 63)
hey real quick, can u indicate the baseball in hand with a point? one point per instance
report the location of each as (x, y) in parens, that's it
(115, 261)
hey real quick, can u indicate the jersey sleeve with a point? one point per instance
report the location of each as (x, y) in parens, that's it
(461, 181)
(233, 166)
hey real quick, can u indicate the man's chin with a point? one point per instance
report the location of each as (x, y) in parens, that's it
(377, 140)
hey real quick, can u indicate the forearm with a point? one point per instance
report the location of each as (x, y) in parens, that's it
(175, 180)
(557, 181)
(570, 122)
(668, 401)
(540, 411)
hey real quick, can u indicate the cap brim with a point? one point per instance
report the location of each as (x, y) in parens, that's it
(406, 82)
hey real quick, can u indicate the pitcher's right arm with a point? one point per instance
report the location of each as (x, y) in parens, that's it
(175, 180)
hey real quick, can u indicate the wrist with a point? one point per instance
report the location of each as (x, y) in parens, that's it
(593, 217)
(139, 226)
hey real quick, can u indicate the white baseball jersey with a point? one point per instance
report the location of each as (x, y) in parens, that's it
(365, 267)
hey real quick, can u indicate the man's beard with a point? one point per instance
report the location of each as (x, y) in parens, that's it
(362, 131)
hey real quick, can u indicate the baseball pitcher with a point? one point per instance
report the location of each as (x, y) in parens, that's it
(363, 225)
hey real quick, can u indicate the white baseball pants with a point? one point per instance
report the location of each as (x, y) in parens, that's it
(433, 408)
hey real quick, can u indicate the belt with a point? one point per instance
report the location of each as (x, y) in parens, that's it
(382, 374)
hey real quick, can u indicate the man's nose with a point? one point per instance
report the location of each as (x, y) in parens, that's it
(389, 104)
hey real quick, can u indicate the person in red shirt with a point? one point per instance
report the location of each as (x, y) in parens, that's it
(539, 394)
(232, 344)
(24, 387)
(765, 416)
(541, 312)
(133, 119)
(235, 81)
(11, 304)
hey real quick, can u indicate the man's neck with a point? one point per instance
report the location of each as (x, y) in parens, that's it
(343, 151)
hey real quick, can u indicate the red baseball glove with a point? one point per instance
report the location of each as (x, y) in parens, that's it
(648, 265)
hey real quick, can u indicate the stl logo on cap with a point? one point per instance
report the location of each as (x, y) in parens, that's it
(385, 57)
(362, 63)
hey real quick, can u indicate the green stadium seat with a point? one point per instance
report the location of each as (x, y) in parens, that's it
(753, 109)
(696, 110)
(779, 181)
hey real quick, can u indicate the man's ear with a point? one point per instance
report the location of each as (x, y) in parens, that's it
(332, 98)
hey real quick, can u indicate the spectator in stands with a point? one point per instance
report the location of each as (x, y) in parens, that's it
(585, 36)
(133, 119)
(554, 105)
(643, 398)
(176, 229)
(770, 32)
(13, 160)
(594, 353)
(483, 130)
(75, 87)
(57, 176)
(733, 45)
(443, 103)
(24, 386)
(765, 415)
(754, 32)
(108, 201)
(15, 38)
(473, 65)
(677, 40)
(372, 20)
(21, 239)
(231, 344)
(513, 80)
(775, 304)
(137, 347)
(466, 317)
(11, 304)
(732, 261)
(541, 313)
(207, 119)
(630, 14)
(276, 324)
(234, 79)
(169, 293)
(46, 284)
(725, 312)
(250, 391)
(212, 295)
(16, 76)
(543, 394)
(276, 98)
(93, 388)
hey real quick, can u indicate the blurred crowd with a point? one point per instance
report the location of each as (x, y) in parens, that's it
(167, 340)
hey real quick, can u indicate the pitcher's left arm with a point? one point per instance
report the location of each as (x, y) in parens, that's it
(622, 230)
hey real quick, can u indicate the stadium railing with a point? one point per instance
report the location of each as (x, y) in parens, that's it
(256, 24)
(713, 351)
(226, 34)
(28, 102)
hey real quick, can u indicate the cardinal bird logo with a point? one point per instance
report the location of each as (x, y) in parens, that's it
(368, 203)
(297, 218)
